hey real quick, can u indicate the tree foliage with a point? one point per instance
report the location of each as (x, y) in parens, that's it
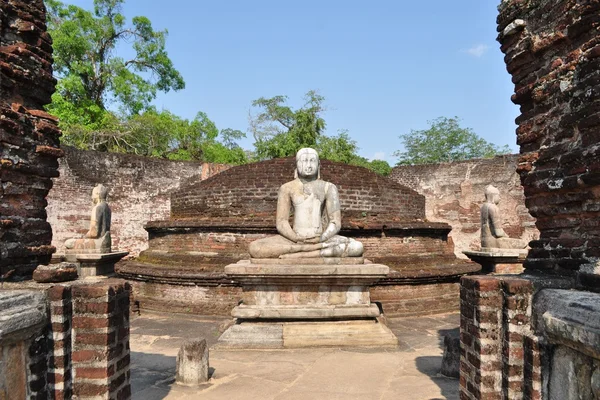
(103, 101)
(445, 141)
(92, 75)
(280, 131)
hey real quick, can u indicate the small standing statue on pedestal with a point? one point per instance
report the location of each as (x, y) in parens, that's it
(492, 234)
(97, 239)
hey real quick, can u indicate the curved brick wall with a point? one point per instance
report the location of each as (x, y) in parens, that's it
(28, 138)
(552, 51)
(247, 194)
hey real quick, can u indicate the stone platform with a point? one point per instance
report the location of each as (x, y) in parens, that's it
(92, 264)
(319, 303)
(499, 261)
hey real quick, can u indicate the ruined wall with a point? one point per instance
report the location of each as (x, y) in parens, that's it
(552, 51)
(247, 194)
(140, 189)
(28, 138)
(528, 337)
(454, 193)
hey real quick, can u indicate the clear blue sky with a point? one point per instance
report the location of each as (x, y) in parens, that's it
(384, 67)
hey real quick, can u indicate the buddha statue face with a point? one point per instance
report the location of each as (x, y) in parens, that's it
(307, 163)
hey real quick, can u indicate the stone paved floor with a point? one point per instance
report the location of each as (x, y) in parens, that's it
(411, 372)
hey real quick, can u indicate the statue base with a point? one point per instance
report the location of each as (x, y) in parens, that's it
(499, 261)
(300, 303)
(92, 264)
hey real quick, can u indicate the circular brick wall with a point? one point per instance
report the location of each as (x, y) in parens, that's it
(247, 195)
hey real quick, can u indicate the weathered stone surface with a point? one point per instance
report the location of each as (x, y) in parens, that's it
(252, 335)
(570, 375)
(22, 314)
(288, 335)
(62, 272)
(451, 357)
(192, 363)
(94, 264)
(317, 312)
(500, 261)
(570, 318)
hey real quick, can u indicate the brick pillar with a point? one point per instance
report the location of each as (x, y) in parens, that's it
(481, 340)
(59, 367)
(500, 354)
(101, 341)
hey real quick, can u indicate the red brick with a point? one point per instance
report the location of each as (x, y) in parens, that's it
(86, 389)
(94, 373)
(89, 356)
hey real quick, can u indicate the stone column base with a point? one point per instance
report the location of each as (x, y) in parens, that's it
(308, 334)
(306, 303)
(499, 261)
(93, 264)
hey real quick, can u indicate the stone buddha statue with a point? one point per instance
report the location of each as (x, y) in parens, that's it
(316, 217)
(97, 239)
(492, 234)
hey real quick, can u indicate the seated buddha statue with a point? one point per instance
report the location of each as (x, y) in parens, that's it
(492, 234)
(97, 239)
(317, 217)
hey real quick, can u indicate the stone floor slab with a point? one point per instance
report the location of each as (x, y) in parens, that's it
(410, 373)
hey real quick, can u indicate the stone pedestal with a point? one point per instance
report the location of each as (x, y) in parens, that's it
(192, 363)
(94, 264)
(309, 303)
(499, 261)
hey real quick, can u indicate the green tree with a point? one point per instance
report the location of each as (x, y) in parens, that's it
(445, 141)
(91, 74)
(280, 131)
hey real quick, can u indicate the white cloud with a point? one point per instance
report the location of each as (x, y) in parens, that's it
(380, 155)
(477, 50)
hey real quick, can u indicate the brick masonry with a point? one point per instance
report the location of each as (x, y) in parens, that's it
(29, 138)
(500, 353)
(247, 194)
(140, 189)
(552, 51)
(454, 193)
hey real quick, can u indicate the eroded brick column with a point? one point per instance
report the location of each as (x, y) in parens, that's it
(29, 138)
(552, 52)
(500, 354)
(101, 341)
(59, 368)
(481, 338)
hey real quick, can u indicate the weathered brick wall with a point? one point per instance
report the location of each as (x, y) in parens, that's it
(248, 194)
(28, 137)
(139, 192)
(72, 342)
(454, 193)
(100, 355)
(552, 51)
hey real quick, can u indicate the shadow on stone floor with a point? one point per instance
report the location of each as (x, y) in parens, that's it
(430, 366)
(154, 375)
